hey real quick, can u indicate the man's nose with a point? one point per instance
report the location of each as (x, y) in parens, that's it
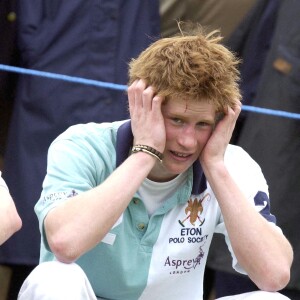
(187, 138)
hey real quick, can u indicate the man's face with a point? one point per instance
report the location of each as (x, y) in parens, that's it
(189, 124)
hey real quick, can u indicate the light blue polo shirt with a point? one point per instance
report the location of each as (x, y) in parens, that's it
(157, 257)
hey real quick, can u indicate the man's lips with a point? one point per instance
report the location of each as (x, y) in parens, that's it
(180, 154)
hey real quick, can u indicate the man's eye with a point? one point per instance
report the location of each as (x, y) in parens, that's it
(177, 121)
(203, 124)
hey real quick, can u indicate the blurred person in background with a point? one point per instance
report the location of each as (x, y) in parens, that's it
(212, 14)
(8, 56)
(85, 38)
(269, 44)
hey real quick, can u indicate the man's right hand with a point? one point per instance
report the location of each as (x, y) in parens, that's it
(146, 117)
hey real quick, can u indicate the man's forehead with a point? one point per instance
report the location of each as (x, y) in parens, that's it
(184, 105)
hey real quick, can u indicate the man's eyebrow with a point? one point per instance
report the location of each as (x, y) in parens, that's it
(183, 117)
(208, 121)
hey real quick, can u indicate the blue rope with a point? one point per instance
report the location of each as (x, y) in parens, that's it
(121, 87)
(267, 111)
(85, 81)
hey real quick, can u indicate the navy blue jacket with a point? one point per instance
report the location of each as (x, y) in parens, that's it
(93, 39)
(272, 80)
(274, 142)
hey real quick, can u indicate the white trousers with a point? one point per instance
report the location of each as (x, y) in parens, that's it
(58, 281)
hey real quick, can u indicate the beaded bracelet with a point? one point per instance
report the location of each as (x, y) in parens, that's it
(147, 149)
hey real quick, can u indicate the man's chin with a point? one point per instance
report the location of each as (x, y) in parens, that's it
(176, 170)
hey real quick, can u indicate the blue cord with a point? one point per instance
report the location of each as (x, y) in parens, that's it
(64, 77)
(121, 87)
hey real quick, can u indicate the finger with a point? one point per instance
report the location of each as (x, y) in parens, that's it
(238, 109)
(226, 125)
(156, 104)
(131, 96)
(235, 112)
(138, 95)
(233, 116)
(148, 95)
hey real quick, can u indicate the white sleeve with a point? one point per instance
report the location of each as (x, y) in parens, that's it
(249, 177)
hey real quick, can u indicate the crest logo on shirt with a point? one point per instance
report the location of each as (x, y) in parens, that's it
(194, 210)
(189, 235)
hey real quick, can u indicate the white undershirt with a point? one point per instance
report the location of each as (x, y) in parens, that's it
(154, 194)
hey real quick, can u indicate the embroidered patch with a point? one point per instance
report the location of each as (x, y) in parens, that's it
(193, 210)
(54, 197)
(58, 196)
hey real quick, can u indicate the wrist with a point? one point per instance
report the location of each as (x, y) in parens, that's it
(148, 150)
(214, 169)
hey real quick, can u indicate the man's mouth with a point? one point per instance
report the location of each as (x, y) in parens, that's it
(179, 154)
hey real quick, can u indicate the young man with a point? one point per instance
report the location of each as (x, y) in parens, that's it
(135, 203)
(10, 221)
